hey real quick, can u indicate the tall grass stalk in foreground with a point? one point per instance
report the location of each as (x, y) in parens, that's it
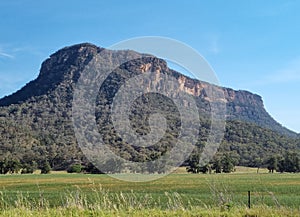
(105, 203)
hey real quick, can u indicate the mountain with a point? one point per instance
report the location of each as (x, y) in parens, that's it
(36, 121)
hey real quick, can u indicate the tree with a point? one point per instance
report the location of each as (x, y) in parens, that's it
(90, 168)
(227, 164)
(113, 166)
(45, 168)
(289, 163)
(75, 168)
(4, 167)
(258, 163)
(193, 164)
(272, 164)
(27, 168)
(292, 161)
(10, 166)
(15, 166)
(205, 169)
(217, 165)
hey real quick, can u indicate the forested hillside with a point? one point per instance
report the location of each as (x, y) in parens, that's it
(36, 121)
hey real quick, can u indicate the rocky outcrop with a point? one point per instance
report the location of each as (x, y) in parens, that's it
(44, 106)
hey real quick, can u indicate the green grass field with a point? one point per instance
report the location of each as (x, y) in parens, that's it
(179, 193)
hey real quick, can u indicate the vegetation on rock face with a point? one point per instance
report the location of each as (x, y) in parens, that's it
(36, 124)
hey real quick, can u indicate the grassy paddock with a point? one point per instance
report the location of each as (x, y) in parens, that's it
(176, 194)
(261, 211)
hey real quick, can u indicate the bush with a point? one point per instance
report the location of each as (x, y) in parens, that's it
(27, 169)
(45, 168)
(75, 168)
(90, 168)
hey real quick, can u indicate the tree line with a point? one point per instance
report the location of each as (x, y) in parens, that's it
(289, 162)
(13, 166)
(225, 163)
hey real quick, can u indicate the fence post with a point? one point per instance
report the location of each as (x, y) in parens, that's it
(249, 200)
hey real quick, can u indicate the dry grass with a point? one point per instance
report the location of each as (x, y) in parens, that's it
(260, 211)
(177, 194)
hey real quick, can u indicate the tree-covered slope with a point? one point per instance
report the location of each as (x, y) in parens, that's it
(36, 121)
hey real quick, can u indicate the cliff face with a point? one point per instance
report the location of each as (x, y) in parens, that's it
(44, 106)
(240, 105)
(62, 68)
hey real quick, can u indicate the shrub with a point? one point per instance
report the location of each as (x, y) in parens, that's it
(45, 168)
(75, 168)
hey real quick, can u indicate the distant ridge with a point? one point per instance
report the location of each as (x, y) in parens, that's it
(42, 109)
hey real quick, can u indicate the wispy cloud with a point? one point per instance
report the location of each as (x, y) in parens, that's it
(214, 47)
(27, 49)
(6, 55)
(214, 44)
(9, 51)
(6, 52)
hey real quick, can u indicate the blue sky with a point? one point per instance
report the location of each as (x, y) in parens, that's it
(252, 45)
